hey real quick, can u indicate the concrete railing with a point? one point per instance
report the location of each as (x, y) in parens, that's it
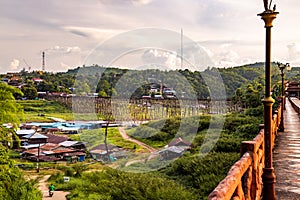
(244, 179)
(295, 104)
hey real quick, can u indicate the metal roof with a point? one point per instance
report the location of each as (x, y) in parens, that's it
(25, 132)
(35, 136)
(68, 143)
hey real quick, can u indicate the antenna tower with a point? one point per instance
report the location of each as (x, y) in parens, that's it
(43, 64)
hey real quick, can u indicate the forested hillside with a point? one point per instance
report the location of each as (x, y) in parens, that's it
(107, 82)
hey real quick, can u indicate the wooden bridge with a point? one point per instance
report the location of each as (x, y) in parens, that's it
(244, 180)
(144, 109)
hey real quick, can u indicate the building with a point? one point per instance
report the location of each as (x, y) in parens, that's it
(170, 153)
(293, 89)
(99, 152)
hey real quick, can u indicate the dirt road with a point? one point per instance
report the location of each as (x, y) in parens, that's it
(43, 187)
(127, 137)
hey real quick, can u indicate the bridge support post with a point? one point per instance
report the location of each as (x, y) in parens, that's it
(268, 173)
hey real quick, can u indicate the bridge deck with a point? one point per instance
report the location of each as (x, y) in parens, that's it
(286, 157)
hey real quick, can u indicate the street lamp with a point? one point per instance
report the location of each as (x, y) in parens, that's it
(268, 172)
(282, 67)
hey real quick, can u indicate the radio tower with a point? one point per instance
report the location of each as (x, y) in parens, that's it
(43, 64)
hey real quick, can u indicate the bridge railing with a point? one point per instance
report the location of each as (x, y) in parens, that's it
(294, 102)
(244, 179)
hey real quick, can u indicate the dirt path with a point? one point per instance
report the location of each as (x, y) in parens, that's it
(127, 137)
(43, 187)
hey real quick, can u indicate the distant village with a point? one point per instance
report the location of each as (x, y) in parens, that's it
(49, 142)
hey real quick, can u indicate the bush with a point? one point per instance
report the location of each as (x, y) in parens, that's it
(69, 171)
(202, 174)
(255, 112)
(114, 184)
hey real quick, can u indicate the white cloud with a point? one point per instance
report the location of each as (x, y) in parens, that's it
(63, 50)
(14, 64)
(294, 51)
(226, 58)
(141, 2)
(293, 54)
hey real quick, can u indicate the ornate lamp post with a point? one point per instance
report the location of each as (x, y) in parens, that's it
(268, 172)
(282, 67)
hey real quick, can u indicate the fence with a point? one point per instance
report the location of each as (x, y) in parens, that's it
(294, 103)
(244, 179)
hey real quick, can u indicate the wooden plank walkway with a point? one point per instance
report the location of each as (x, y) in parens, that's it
(286, 157)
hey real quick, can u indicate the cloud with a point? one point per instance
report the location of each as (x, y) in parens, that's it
(293, 54)
(126, 2)
(141, 2)
(63, 50)
(294, 51)
(15, 63)
(226, 58)
(92, 33)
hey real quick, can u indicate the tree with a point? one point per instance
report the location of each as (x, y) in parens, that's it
(12, 183)
(29, 92)
(10, 111)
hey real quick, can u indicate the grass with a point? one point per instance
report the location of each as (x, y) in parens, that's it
(96, 136)
(40, 110)
(42, 106)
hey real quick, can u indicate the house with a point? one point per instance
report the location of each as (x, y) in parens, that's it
(15, 81)
(23, 132)
(54, 152)
(56, 139)
(5, 80)
(170, 153)
(179, 142)
(36, 138)
(74, 156)
(175, 149)
(52, 130)
(29, 127)
(99, 152)
(74, 144)
(37, 80)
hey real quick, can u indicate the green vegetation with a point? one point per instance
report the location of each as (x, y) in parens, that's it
(202, 174)
(96, 137)
(40, 110)
(12, 183)
(237, 127)
(114, 184)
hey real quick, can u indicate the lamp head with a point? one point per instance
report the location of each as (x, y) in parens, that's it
(288, 67)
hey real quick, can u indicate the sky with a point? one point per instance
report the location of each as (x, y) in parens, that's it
(73, 32)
